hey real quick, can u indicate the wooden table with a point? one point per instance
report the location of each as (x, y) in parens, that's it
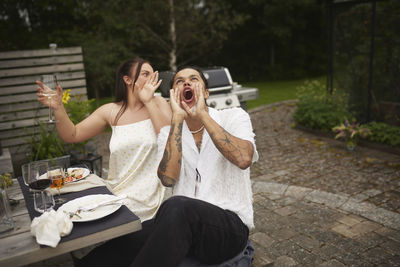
(19, 247)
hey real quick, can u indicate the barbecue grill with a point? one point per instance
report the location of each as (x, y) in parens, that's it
(224, 93)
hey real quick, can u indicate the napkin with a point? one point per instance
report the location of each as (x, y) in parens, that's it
(50, 227)
(89, 182)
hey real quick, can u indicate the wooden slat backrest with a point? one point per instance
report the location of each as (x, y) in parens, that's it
(19, 109)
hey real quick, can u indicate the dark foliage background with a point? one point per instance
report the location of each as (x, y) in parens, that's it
(352, 51)
(256, 39)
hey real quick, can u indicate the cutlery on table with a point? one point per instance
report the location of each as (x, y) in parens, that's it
(72, 214)
(101, 204)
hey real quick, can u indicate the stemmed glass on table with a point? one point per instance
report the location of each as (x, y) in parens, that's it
(51, 82)
(57, 177)
(38, 181)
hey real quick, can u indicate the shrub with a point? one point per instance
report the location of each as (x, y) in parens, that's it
(5, 180)
(352, 130)
(78, 108)
(47, 144)
(317, 109)
(384, 133)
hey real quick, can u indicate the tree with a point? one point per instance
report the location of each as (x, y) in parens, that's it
(255, 38)
(200, 28)
(281, 40)
(104, 29)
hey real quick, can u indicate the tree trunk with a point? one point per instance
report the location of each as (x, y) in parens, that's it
(172, 33)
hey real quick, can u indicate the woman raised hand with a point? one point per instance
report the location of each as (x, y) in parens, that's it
(146, 93)
(43, 90)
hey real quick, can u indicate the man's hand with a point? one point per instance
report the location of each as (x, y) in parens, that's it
(175, 99)
(170, 164)
(146, 93)
(200, 108)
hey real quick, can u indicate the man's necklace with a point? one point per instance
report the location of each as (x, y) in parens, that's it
(197, 131)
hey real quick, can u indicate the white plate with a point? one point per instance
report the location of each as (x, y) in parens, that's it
(100, 212)
(43, 176)
(86, 172)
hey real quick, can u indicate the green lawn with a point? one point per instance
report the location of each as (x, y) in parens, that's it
(276, 91)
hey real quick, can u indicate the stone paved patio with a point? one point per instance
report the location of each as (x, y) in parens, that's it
(315, 203)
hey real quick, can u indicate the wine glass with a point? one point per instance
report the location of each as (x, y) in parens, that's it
(57, 176)
(25, 173)
(51, 82)
(38, 182)
(25, 168)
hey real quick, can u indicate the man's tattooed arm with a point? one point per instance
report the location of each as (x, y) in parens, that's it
(236, 150)
(170, 165)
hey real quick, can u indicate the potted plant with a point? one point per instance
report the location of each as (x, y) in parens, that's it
(350, 132)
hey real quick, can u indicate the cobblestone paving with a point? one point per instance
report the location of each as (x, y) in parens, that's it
(315, 203)
(295, 157)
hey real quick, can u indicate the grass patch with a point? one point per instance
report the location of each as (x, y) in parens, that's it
(276, 91)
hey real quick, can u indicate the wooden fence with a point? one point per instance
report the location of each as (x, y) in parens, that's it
(19, 108)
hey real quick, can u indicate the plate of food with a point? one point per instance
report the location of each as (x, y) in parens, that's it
(102, 205)
(76, 174)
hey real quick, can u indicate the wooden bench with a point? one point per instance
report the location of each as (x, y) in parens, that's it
(19, 108)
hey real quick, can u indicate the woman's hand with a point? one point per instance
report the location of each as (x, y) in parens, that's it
(200, 107)
(146, 93)
(44, 93)
(175, 99)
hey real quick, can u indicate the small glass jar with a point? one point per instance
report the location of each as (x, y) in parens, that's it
(6, 221)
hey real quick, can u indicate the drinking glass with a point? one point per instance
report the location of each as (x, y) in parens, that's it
(57, 176)
(51, 82)
(38, 182)
(43, 201)
(25, 173)
(25, 176)
(6, 221)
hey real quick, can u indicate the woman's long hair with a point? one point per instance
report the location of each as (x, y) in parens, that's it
(121, 89)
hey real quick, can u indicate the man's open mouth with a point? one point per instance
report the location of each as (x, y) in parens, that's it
(188, 95)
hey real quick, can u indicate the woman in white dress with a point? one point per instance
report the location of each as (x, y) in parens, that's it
(136, 118)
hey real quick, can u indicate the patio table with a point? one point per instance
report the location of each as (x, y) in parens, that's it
(18, 247)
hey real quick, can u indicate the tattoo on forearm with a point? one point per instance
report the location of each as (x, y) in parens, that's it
(163, 163)
(233, 151)
(167, 155)
(178, 138)
(176, 132)
(167, 181)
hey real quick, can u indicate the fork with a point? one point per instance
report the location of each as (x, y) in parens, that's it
(83, 209)
(72, 214)
(101, 204)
